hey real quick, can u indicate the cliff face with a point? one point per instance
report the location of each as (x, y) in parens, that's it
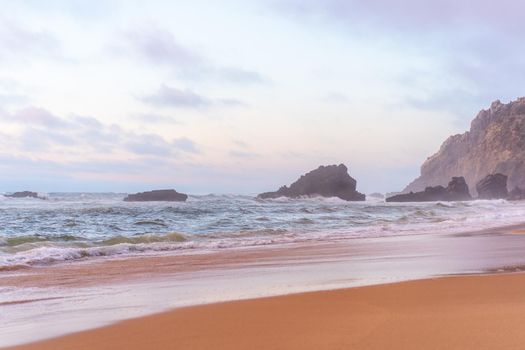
(494, 144)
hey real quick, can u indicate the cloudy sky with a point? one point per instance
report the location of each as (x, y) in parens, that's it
(243, 96)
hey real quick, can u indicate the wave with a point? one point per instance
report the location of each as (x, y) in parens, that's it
(20, 240)
(157, 222)
(147, 238)
(124, 246)
(56, 230)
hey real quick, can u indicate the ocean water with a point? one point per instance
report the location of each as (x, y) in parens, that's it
(83, 226)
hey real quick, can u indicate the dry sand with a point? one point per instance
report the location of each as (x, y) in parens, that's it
(467, 312)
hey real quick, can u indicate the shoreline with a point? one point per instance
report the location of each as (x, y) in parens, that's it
(457, 312)
(107, 291)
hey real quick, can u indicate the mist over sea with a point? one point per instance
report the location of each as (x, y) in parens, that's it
(83, 226)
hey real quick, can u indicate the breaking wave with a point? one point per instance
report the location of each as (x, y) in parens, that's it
(70, 227)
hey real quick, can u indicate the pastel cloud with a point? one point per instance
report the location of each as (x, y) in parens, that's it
(167, 96)
(18, 41)
(471, 48)
(37, 116)
(414, 15)
(42, 132)
(160, 47)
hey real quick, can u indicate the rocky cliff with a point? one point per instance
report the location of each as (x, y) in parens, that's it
(495, 143)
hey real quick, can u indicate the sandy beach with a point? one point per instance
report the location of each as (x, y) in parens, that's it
(466, 312)
(292, 296)
(262, 175)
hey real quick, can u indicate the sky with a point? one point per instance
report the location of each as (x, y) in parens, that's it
(243, 96)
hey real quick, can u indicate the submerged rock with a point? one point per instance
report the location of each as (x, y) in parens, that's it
(24, 194)
(325, 181)
(157, 196)
(457, 190)
(493, 186)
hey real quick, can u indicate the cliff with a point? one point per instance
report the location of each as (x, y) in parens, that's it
(495, 143)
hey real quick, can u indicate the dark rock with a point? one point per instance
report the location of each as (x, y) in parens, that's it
(24, 194)
(495, 143)
(516, 194)
(325, 181)
(457, 190)
(157, 196)
(493, 186)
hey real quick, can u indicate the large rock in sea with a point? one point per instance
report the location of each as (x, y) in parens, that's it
(494, 144)
(493, 186)
(24, 194)
(325, 181)
(157, 196)
(457, 190)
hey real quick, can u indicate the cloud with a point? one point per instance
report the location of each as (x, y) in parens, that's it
(243, 154)
(34, 140)
(172, 97)
(44, 133)
(185, 145)
(155, 118)
(154, 145)
(150, 144)
(158, 46)
(471, 49)
(34, 116)
(167, 96)
(240, 75)
(20, 42)
(411, 15)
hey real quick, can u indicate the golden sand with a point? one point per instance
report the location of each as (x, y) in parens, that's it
(468, 312)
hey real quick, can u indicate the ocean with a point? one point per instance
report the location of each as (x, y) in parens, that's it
(84, 226)
(83, 260)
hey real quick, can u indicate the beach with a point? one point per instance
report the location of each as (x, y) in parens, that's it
(467, 312)
(262, 175)
(367, 293)
(107, 263)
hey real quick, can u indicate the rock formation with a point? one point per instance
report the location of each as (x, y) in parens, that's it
(493, 186)
(516, 194)
(24, 194)
(157, 196)
(325, 181)
(457, 190)
(494, 144)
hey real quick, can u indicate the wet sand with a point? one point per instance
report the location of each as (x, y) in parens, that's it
(467, 312)
(52, 301)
